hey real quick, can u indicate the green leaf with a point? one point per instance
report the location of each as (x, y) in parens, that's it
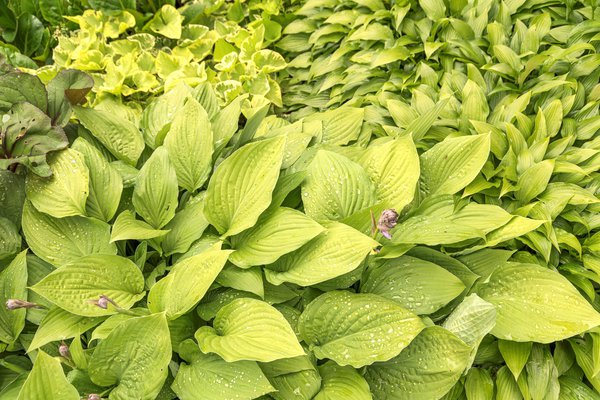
(417, 285)
(12, 196)
(47, 381)
(573, 389)
(190, 145)
(186, 227)
(281, 232)
(167, 22)
(13, 285)
(62, 240)
(394, 168)
(341, 125)
(121, 137)
(59, 324)
(357, 329)
(215, 378)
(434, 9)
(452, 164)
(63, 194)
(335, 187)
(534, 181)
(427, 369)
(20, 87)
(69, 87)
(155, 195)
(342, 383)
(240, 189)
(338, 250)
(479, 384)
(248, 329)
(536, 304)
(10, 240)
(139, 347)
(74, 286)
(506, 386)
(105, 183)
(158, 115)
(187, 283)
(127, 227)
(515, 355)
(249, 280)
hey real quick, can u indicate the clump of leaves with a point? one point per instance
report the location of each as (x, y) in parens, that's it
(432, 235)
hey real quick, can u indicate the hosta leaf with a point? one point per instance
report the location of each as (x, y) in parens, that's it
(105, 182)
(293, 378)
(240, 189)
(62, 240)
(118, 135)
(335, 187)
(506, 386)
(59, 324)
(536, 304)
(155, 193)
(127, 227)
(574, 389)
(69, 87)
(451, 165)
(186, 284)
(248, 329)
(417, 285)
(12, 196)
(338, 250)
(13, 285)
(479, 384)
(190, 145)
(19, 87)
(342, 383)
(10, 240)
(282, 232)
(357, 329)
(249, 279)
(534, 181)
(515, 355)
(427, 369)
(74, 286)
(340, 126)
(138, 347)
(47, 381)
(65, 192)
(158, 115)
(209, 377)
(394, 168)
(186, 227)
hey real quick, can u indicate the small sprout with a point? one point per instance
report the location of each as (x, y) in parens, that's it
(103, 301)
(63, 350)
(15, 304)
(387, 221)
(94, 396)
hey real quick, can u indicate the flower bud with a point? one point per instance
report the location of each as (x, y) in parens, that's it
(387, 220)
(63, 350)
(103, 301)
(94, 396)
(15, 304)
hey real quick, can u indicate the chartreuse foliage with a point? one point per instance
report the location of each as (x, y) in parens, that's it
(300, 200)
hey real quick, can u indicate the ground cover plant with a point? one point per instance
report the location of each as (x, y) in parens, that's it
(319, 199)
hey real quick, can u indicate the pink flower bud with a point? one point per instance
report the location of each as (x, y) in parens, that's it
(387, 221)
(94, 396)
(15, 304)
(63, 350)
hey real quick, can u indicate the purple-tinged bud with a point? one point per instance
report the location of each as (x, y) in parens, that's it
(103, 301)
(387, 221)
(63, 350)
(94, 396)
(15, 304)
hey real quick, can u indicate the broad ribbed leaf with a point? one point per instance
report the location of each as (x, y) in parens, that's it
(59, 324)
(127, 227)
(515, 355)
(240, 189)
(342, 383)
(417, 285)
(155, 193)
(335, 187)
(74, 286)
(186, 283)
(451, 165)
(190, 145)
(282, 232)
(479, 384)
(248, 280)
(13, 285)
(340, 126)
(427, 369)
(167, 22)
(294, 378)
(357, 329)
(186, 227)
(62, 240)
(105, 182)
(134, 357)
(208, 376)
(536, 304)
(248, 329)
(158, 115)
(394, 168)
(10, 240)
(118, 135)
(65, 192)
(338, 250)
(47, 381)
